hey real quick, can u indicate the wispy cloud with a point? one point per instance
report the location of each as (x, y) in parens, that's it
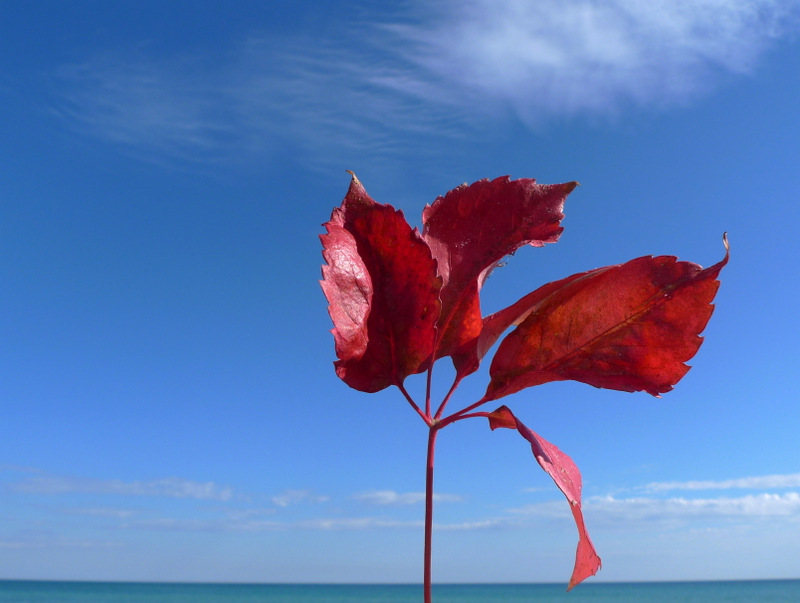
(294, 497)
(172, 524)
(791, 480)
(390, 497)
(172, 487)
(366, 523)
(174, 107)
(398, 82)
(480, 524)
(356, 523)
(292, 508)
(752, 506)
(601, 511)
(325, 524)
(104, 512)
(564, 58)
(51, 543)
(264, 96)
(609, 510)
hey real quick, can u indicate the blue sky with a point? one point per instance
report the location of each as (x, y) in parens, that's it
(169, 406)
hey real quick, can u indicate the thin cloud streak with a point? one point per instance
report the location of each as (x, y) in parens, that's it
(176, 108)
(294, 497)
(266, 95)
(791, 480)
(601, 511)
(608, 510)
(171, 487)
(40, 542)
(326, 524)
(411, 81)
(390, 497)
(754, 505)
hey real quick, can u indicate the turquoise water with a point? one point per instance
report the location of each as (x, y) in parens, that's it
(772, 591)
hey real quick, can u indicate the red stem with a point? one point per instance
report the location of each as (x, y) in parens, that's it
(428, 391)
(453, 387)
(433, 429)
(425, 417)
(429, 513)
(461, 414)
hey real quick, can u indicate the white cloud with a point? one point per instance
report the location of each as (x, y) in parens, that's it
(104, 512)
(791, 480)
(624, 512)
(600, 511)
(40, 542)
(550, 509)
(389, 497)
(401, 81)
(293, 497)
(318, 523)
(750, 506)
(608, 510)
(356, 523)
(481, 524)
(171, 487)
(231, 525)
(178, 525)
(553, 57)
(364, 523)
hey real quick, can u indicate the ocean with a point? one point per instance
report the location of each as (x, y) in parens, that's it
(745, 591)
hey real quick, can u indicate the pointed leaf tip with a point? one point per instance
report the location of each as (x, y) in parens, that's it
(630, 327)
(383, 293)
(470, 230)
(356, 193)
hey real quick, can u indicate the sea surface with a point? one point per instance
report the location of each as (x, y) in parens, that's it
(745, 591)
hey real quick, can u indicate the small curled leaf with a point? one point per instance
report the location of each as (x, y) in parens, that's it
(567, 477)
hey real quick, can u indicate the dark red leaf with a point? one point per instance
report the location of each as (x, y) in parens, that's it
(382, 290)
(567, 477)
(469, 231)
(629, 327)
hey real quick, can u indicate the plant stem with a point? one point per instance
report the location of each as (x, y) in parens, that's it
(429, 513)
(425, 417)
(457, 416)
(453, 387)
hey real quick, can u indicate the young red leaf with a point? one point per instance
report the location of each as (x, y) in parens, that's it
(382, 290)
(629, 327)
(566, 476)
(469, 231)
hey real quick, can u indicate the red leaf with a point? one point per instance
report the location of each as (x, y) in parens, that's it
(495, 324)
(382, 291)
(568, 479)
(629, 327)
(469, 231)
